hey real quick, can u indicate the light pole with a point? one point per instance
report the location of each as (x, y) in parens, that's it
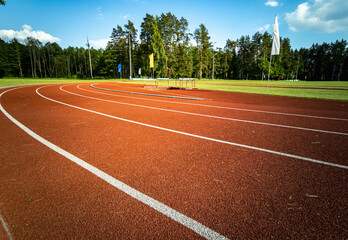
(90, 60)
(130, 56)
(263, 65)
(213, 62)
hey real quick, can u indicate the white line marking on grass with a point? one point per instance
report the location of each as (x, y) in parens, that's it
(6, 228)
(151, 202)
(230, 108)
(198, 136)
(209, 116)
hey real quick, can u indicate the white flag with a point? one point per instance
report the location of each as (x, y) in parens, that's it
(276, 41)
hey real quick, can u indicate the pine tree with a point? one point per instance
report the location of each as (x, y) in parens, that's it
(202, 38)
(157, 47)
(144, 49)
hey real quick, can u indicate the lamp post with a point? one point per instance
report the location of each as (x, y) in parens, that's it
(130, 56)
(213, 62)
(90, 60)
(263, 65)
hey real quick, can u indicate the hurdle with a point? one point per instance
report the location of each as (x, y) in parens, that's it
(181, 83)
(186, 80)
(163, 79)
(146, 79)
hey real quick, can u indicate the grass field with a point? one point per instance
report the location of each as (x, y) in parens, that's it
(28, 81)
(320, 90)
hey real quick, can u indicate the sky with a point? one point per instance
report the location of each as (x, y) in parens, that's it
(68, 22)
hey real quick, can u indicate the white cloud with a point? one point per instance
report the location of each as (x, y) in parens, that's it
(327, 16)
(101, 43)
(264, 28)
(100, 12)
(27, 31)
(193, 42)
(126, 16)
(272, 3)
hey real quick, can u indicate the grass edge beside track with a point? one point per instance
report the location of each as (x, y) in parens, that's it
(290, 89)
(241, 86)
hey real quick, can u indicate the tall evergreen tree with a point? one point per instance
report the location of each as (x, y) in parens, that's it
(157, 48)
(202, 38)
(145, 38)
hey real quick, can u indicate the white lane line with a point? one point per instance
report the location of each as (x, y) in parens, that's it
(6, 228)
(230, 108)
(198, 136)
(188, 222)
(209, 116)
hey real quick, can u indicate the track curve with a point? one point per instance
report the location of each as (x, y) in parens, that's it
(237, 192)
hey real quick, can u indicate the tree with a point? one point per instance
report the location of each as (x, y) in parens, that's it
(256, 53)
(246, 57)
(15, 60)
(34, 46)
(117, 51)
(202, 38)
(176, 39)
(132, 42)
(3, 58)
(184, 66)
(338, 50)
(2, 2)
(232, 61)
(157, 48)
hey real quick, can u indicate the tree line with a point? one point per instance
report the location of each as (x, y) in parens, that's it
(169, 39)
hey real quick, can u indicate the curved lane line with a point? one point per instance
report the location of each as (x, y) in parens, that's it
(151, 202)
(230, 108)
(197, 136)
(209, 116)
(5, 228)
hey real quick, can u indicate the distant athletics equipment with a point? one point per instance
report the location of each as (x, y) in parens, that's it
(147, 94)
(182, 80)
(181, 83)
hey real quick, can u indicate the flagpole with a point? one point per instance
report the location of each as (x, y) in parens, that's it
(263, 64)
(269, 70)
(275, 46)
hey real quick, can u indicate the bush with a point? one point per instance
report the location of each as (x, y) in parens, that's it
(80, 75)
(2, 73)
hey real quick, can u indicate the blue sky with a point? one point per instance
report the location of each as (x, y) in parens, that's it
(69, 21)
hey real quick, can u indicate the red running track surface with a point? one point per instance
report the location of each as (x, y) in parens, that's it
(236, 191)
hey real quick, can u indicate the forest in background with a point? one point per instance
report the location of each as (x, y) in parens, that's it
(169, 39)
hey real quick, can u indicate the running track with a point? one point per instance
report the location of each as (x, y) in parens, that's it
(83, 163)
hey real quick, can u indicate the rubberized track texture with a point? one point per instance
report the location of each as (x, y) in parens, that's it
(79, 162)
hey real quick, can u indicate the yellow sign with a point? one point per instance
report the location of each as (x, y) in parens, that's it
(151, 60)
